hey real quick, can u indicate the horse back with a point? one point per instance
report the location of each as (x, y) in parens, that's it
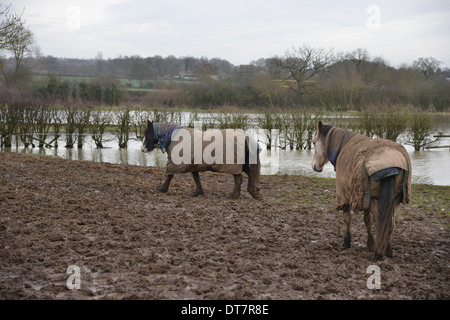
(232, 157)
(357, 165)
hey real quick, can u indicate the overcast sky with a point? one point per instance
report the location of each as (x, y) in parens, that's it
(239, 31)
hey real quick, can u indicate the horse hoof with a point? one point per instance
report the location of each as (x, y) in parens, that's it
(256, 195)
(378, 256)
(162, 188)
(347, 243)
(234, 196)
(388, 252)
(198, 193)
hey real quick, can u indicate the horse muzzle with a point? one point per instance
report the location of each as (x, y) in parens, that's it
(144, 149)
(317, 168)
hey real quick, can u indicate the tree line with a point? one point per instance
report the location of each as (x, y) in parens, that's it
(352, 81)
(302, 77)
(34, 124)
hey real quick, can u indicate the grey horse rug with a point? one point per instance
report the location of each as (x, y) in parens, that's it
(192, 150)
(359, 160)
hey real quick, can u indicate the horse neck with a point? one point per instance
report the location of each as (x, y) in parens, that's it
(163, 132)
(160, 129)
(336, 139)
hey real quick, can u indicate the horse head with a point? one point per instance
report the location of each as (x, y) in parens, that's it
(320, 155)
(149, 142)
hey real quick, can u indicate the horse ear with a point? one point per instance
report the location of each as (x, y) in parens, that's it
(149, 123)
(320, 126)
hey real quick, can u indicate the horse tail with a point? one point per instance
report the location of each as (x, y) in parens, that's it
(385, 222)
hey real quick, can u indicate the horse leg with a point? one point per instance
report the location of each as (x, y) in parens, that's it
(347, 220)
(237, 186)
(165, 186)
(253, 182)
(251, 187)
(368, 222)
(198, 184)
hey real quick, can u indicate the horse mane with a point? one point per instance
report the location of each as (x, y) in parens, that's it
(325, 129)
(336, 140)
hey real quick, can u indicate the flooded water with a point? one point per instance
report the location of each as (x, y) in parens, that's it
(429, 166)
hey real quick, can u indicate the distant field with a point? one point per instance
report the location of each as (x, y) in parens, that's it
(144, 89)
(63, 78)
(130, 84)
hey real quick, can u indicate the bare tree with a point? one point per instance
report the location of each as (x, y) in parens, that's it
(140, 71)
(100, 120)
(123, 122)
(21, 45)
(204, 70)
(420, 133)
(428, 66)
(358, 57)
(8, 25)
(49, 63)
(303, 63)
(42, 123)
(16, 39)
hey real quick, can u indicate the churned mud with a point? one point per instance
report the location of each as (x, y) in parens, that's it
(131, 242)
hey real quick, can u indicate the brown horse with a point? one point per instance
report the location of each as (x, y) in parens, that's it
(372, 175)
(194, 151)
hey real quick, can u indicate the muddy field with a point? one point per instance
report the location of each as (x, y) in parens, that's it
(132, 242)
